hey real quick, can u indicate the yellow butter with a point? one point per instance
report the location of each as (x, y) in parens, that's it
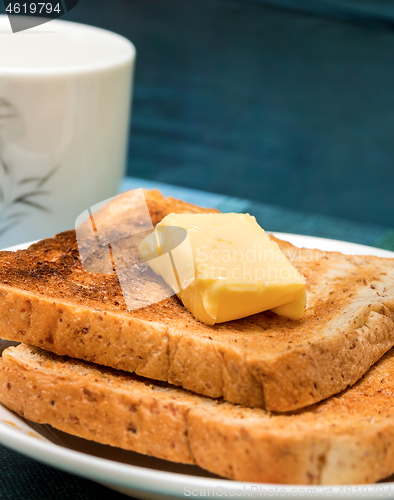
(224, 267)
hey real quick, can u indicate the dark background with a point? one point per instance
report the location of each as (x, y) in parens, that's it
(250, 99)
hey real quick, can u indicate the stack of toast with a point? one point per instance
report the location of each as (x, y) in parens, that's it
(261, 399)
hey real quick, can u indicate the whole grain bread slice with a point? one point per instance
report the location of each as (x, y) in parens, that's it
(47, 299)
(346, 439)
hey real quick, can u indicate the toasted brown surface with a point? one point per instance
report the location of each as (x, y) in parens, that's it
(346, 439)
(265, 360)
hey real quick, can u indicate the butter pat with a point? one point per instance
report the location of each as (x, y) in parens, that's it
(224, 267)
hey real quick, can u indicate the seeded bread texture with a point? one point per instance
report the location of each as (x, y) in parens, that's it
(47, 299)
(347, 439)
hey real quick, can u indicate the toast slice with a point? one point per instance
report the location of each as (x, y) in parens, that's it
(346, 439)
(265, 360)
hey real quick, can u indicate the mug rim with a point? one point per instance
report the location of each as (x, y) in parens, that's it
(123, 58)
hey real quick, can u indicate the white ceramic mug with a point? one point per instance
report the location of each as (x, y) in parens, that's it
(65, 93)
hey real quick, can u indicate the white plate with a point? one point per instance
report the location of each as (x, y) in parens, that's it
(147, 477)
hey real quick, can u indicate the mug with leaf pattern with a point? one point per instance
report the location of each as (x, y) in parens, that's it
(65, 92)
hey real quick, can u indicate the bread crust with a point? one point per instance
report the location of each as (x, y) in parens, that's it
(347, 439)
(265, 360)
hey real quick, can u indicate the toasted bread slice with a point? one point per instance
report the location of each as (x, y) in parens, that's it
(265, 360)
(346, 439)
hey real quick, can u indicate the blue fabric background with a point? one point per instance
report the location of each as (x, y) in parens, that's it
(274, 105)
(268, 104)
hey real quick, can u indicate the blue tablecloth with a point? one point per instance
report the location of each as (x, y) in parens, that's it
(21, 477)
(276, 218)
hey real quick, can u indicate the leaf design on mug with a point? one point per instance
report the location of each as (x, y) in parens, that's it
(6, 227)
(6, 109)
(46, 177)
(28, 180)
(25, 199)
(11, 220)
(18, 192)
(5, 166)
(15, 215)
